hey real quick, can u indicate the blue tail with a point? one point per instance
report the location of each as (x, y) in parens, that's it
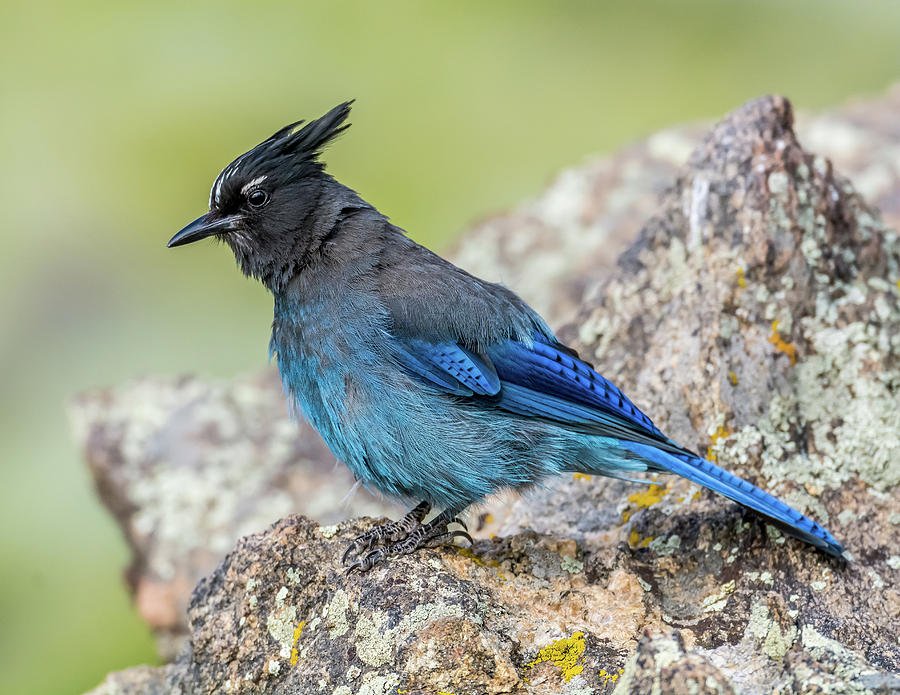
(710, 475)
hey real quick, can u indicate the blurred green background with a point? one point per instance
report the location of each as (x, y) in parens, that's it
(116, 117)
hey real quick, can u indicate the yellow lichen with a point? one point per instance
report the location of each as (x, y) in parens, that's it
(720, 433)
(740, 278)
(493, 564)
(781, 345)
(564, 654)
(297, 632)
(581, 476)
(732, 377)
(467, 552)
(652, 495)
(634, 540)
(610, 677)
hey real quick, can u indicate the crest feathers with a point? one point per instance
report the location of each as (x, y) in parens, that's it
(289, 152)
(308, 142)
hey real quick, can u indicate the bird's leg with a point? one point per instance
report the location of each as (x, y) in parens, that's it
(430, 535)
(390, 532)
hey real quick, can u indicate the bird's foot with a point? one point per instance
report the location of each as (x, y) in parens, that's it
(390, 532)
(436, 532)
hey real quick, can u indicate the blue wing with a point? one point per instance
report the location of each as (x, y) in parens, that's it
(451, 367)
(547, 380)
(543, 379)
(553, 382)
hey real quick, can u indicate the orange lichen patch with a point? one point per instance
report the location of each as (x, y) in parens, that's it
(581, 476)
(740, 278)
(781, 345)
(720, 433)
(564, 654)
(732, 377)
(297, 632)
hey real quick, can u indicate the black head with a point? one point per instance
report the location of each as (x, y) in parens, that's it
(260, 202)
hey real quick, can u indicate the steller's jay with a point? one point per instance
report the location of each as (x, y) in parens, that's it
(430, 384)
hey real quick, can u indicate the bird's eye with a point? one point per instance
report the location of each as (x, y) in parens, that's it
(258, 198)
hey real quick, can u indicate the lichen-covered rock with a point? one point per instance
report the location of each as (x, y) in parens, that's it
(757, 318)
(521, 614)
(661, 665)
(555, 248)
(140, 680)
(510, 615)
(189, 466)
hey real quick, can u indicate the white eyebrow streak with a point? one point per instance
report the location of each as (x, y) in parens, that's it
(255, 182)
(216, 191)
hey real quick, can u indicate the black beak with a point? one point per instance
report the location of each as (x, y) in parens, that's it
(201, 228)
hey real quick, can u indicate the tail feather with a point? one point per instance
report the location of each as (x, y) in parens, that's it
(731, 486)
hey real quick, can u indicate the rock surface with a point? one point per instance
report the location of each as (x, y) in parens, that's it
(553, 249)
(187, 467)
(757, 318)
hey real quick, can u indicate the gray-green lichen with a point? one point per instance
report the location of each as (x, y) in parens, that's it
(375, 642)
(665, 545)
(717, 600)
(571, 564)
(845, 395)
(773, 639)
(374, 684)
(282, 622)
(336, 615)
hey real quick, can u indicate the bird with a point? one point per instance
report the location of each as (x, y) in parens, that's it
(433, 386)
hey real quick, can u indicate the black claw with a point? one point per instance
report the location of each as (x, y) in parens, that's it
(446, 537)
(358, 545)
(462, 534)
(403, 537)
(385, 535)
(462, 523)
(368, 561)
